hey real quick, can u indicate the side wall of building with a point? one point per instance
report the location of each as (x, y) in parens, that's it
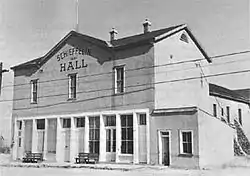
(175, 123)
(179, 79)
(215, 141)
(222, 103)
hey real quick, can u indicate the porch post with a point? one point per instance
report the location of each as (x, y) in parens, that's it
(59, 147)
(102, 151)
(73, 140)
(135, 139)
(148, 137)
(45, 144)
(86, 135)
(34, 136)
(118, 138)
(15, 141)
(23, 138)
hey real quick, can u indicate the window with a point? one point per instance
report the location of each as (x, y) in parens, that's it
(66, 123)
(80, 122)
(119, 79)
(186, 146)
(142, 119)
(127, 134)
(94, 134)
(228, 114)
(240, 116)
(72, 86)
(33, 91)
(184, 38)
(110, 121)
(214, 110)
(40, 123)
(222, 112)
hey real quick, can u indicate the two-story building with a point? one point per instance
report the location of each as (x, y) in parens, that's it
(138, 99)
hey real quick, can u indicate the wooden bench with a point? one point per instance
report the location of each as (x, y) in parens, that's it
(87, 158)
(32, 157)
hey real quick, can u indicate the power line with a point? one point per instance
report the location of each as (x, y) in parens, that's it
(135, 69)
(145, 84)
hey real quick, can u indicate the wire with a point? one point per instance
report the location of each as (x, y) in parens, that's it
(138, 85)
(135, 69)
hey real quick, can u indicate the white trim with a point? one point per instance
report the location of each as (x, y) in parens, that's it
(171, 32)
(123, 112)
(181, 142)
(148, 137)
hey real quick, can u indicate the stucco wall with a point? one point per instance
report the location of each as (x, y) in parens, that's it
(234, 106)
(215, 141)
(174, 123)
(174, 68)
(95, 93)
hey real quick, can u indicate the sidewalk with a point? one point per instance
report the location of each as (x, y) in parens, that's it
(6, 162)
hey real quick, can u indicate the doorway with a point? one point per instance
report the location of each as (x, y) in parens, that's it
(164, 148)
(111, 143)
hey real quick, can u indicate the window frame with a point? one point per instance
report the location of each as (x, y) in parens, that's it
(116, 81)
(215, 110)
(228, 114)
(72, 93)
(94, 138)
(127, 129)
(80, 122)
(34, 91)
(240, 115)
(143, 121)
(182, 142)
(66, 123)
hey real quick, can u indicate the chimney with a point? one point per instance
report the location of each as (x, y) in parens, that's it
(146, 26)
(113, 33)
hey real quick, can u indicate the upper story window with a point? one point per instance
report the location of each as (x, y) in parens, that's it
(119, 79)
(228, 114)
(33, 91)
(240, 116)
(214, 110)
(72, 86)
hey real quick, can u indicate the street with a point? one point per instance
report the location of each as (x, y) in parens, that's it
(18, 171)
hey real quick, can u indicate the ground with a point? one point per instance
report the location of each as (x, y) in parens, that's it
(239, 167)
(17, 171)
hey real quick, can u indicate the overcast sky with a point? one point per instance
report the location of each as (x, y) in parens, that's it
(30, 28)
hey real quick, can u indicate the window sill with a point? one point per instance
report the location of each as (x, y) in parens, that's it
(33, 103)
(186, 155)
(71, 99)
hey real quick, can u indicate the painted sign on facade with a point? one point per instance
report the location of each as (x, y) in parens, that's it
(74, 62)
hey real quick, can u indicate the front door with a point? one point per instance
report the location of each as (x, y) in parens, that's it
(165, 151)
(111, 143)
(20, 139)
(67, 145)
(164, 148)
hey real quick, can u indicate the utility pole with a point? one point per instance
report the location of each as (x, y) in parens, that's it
(77, 17)
(1, 74)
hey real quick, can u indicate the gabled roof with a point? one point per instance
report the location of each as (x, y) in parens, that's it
(244, 92)
(153, 36)
(222, 92)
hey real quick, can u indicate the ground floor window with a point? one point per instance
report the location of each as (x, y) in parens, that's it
(94, 134)
(186, 139)
(127, 134)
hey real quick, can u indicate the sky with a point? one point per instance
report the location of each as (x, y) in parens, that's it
(30, 28)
